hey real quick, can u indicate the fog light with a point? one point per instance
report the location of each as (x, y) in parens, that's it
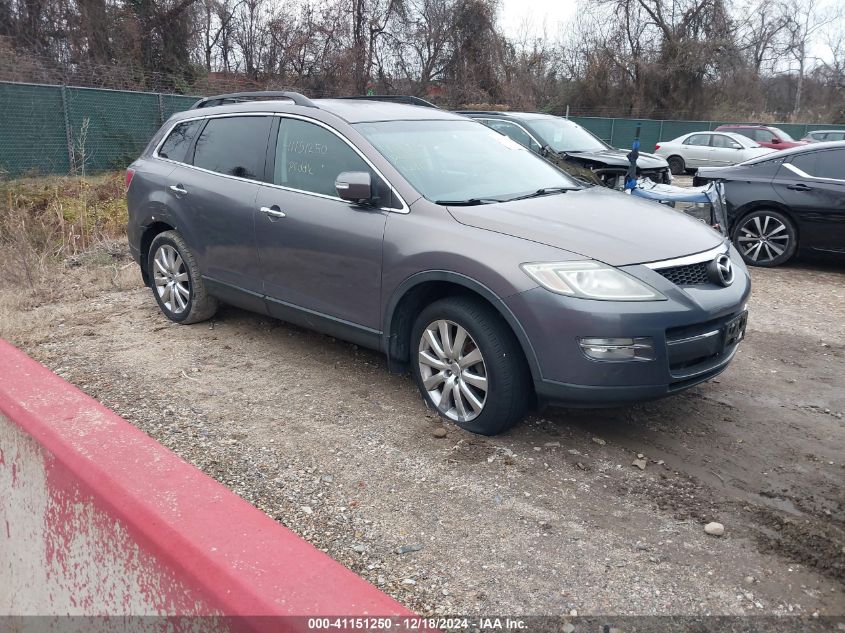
(618, 349)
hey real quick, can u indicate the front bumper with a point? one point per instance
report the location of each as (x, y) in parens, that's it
(688, 331)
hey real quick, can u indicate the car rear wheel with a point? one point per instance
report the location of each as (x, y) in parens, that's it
(176, 282)
(766, 238)
(469, 366)
(677, 165)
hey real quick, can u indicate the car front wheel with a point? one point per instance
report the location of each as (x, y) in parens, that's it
(469, 366)
(765, 238)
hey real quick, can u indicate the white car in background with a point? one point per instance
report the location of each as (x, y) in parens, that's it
(708, 149)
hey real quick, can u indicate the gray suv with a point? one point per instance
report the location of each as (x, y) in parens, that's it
(495, 278)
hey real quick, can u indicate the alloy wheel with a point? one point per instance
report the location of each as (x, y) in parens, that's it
(763, 238)
(453, 370)
(171, 278)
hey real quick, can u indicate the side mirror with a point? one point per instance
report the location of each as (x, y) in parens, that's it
(775, 140)
(355, 186)
(736, 146)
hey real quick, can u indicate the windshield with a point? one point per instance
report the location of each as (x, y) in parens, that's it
(783, 135)
(459, 160)
(744, 140)
(566, 136)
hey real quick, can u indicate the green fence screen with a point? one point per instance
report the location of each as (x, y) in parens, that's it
(59, 130)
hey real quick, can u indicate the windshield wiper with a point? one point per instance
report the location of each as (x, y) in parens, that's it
(471, 202)
(545, 191)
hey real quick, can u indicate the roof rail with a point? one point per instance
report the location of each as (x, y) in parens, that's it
(238, 97)
(407, 99)
(483, 111)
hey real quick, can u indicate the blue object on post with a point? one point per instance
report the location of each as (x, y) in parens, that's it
(633, 155)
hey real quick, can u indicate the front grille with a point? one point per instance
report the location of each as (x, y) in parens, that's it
(699, 348)
(690, 275)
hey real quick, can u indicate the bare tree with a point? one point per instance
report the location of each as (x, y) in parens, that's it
(806, 19)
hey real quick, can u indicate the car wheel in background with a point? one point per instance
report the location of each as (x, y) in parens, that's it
(677, 165)
(765, 238)
(176, 282)
(468, 365)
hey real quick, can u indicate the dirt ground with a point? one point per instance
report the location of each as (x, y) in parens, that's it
(550, 518)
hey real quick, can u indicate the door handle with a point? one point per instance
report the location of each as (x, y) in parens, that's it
(799, 187)
(178, 190)
(273, 212)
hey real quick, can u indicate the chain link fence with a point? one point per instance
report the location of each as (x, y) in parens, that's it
(51, 129)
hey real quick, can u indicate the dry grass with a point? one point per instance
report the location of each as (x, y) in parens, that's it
(60, 238)
(44, 221)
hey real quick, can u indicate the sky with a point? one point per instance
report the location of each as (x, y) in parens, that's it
(537, 14)
(535, 17)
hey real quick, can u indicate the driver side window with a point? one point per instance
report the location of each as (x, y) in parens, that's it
(310, 158)
(720, 140)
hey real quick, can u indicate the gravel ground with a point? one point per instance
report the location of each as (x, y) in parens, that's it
(552, 517)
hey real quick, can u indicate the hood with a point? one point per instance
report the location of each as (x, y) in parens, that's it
(596, 223)
(619, 158)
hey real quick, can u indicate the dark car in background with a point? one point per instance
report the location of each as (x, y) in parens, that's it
(765, 135)
(785, 202)
(488, 273)
(571, 147)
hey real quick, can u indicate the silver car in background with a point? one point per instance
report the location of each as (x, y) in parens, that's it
(708, 149)
(821, 136)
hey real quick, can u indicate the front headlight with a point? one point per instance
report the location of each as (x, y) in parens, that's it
(590, 280)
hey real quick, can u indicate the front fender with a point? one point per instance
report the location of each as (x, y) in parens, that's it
(471, 284)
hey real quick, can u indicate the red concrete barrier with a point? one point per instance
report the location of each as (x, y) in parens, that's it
(98, 518)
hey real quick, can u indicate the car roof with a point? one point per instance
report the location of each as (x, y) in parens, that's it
(363, 110)
(350, 110)
(508, 114)
(739, 138)
(801, 149)
(758, 126)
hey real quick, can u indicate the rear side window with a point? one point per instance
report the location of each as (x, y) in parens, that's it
(234, 146)
(806, 163)
(698, 139)
(826, 164)
(830, 164)
(178, 142)
(835, 136)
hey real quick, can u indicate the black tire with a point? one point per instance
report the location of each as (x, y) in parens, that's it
(677, 165)
(199, 305)
(507, 377)
(782, 236)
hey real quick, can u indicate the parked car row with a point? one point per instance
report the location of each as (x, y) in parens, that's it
(491, 275)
